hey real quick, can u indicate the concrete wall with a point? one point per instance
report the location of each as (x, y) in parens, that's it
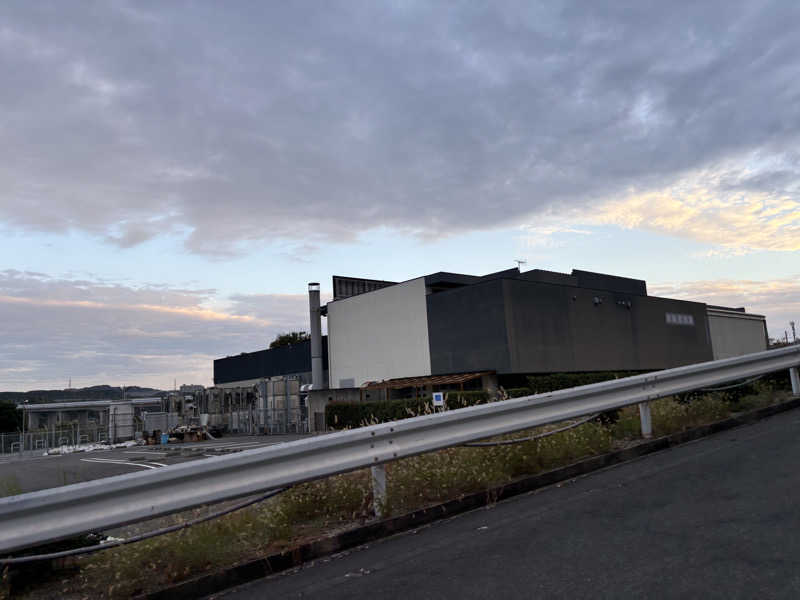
(735, 333)
(468, 329)
(379, 335)
(518, 326)
(318, 399)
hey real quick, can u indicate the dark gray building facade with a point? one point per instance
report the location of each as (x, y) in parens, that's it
(514, 323)
(294, 359)
(542, 322)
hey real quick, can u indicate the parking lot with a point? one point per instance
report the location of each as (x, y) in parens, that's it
(31, 473)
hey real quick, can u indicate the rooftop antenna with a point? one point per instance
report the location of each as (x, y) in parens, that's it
(520, 262)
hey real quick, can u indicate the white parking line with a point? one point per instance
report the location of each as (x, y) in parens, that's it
(119, 462)
(250, 445)
(237, 443)
(145, 452)
(152, 462)
(256, 444)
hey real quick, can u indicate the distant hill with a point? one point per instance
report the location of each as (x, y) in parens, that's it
(95, 392)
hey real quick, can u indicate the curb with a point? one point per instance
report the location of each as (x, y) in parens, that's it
(256, 569)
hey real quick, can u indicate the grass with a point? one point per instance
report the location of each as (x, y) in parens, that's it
(453, 472)
(312, 510)
(261, 529)
(9, 486)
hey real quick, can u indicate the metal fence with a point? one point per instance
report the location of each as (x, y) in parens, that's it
(160, 421)
(293, 420)
(72, 435)
(258, 421)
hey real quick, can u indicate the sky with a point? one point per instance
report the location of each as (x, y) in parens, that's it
(173, 174)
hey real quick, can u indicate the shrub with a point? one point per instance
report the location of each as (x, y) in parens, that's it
(551, 382)
(519, 392)
(343, 415)
(458, 399)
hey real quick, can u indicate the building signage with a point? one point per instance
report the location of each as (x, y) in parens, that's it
(676, 319)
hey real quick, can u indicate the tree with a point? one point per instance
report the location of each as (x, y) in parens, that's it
(10, 417)
(287, 339)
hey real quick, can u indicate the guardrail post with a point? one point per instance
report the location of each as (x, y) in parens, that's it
(378, 489)
(795, 377)
(646, 419)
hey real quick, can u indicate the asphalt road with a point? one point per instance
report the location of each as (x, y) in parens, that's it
(33, 473)
(718, 518)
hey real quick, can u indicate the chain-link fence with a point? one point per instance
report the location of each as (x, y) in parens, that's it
(70, 435)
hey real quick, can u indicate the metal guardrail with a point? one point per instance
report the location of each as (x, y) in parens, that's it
(49, 515)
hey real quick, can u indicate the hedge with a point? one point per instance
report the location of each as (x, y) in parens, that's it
(778, 380)
(551, 382)
(342, 415)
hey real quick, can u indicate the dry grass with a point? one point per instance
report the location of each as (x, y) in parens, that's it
(454, 472)
(311, 510)
(9, 486)
(256, 531)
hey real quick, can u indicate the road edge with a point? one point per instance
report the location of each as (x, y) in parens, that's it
(294, 557)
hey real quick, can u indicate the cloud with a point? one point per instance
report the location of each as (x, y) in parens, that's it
(100, 332)
(777, 299)
(726, 206)
(315, 123)
(545, 233)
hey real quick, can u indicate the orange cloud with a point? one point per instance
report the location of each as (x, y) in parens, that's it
(703, 206)
(192, 312)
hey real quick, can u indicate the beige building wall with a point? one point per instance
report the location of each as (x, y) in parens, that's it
(379, 335)
(735, 333)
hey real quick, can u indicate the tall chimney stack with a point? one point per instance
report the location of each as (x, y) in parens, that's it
(316, 337)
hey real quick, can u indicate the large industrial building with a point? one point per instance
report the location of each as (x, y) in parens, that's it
(521, 323)
(448, 328)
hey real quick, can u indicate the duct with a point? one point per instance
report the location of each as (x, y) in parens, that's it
(316, 337)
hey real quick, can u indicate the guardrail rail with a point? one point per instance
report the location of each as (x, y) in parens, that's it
(49, 515)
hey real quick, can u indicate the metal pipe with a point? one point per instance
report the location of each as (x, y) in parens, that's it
(316, 336)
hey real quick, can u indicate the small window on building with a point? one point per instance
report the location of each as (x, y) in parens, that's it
(680, 319)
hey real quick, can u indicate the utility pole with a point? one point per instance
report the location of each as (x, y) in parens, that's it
(794, 333)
